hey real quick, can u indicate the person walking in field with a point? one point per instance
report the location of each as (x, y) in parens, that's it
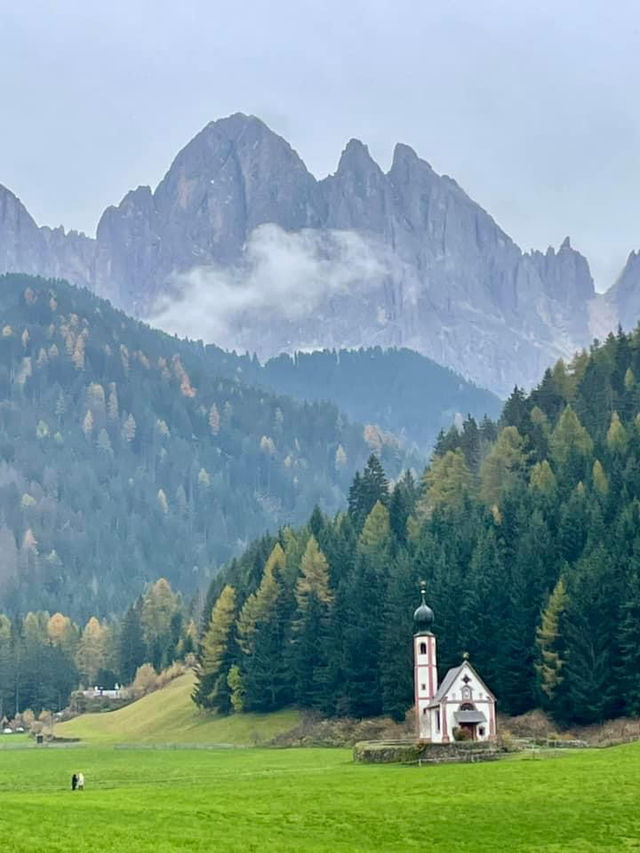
(81, 781)
(74, 781)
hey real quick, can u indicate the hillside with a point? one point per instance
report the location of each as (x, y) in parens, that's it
(169, 716)
(397, 389)
(125, 454)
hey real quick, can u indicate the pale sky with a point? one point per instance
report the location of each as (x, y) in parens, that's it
(532, 106)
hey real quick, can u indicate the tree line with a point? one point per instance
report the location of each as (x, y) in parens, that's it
(527, 532)
(45, 657)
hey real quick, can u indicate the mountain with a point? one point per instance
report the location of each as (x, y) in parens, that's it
(623, 299)
(26, 248)
(260, 255)
(126, 453)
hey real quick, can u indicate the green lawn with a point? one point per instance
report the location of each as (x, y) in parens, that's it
(316, 800)
(169, 716)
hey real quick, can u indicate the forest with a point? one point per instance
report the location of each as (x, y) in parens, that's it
(400, 390)
(527, 533)
(126, 454)
(45, 657)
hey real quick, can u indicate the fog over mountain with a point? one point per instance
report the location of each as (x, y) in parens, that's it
(239, 244)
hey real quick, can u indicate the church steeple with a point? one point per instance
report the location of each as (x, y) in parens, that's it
(425, 666)
(423, 616)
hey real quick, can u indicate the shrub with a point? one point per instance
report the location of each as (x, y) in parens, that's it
(146, 680)
(461, 734)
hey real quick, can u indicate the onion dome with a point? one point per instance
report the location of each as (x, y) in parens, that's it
(423, 617)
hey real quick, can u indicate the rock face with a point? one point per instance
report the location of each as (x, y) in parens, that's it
(446, 281)
(623, 299)
(41, 251)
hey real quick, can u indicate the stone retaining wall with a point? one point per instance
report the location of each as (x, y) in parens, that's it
(413, 752)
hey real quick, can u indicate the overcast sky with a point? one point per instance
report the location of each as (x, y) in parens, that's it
(532, 106)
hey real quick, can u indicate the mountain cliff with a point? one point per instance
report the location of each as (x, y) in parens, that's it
(402, 258)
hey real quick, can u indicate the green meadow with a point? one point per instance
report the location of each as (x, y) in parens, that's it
(169, 716)
(314, 799)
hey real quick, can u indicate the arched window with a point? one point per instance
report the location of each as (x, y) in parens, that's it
(467, 706)
(423, 648)
(466, 692)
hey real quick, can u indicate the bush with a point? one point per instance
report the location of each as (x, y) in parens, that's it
(461, 734)
(146, 681)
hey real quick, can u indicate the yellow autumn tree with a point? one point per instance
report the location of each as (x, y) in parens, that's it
(260, 603)
(314, 577)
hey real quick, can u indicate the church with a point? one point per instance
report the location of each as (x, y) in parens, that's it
(461, 702)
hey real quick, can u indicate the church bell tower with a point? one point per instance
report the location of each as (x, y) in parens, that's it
(425, 666)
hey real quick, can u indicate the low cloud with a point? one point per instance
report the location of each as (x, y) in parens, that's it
(284, 275)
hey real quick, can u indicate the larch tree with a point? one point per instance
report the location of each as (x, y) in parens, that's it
(551, 645)
(217, 655)
(503, 466)
(91, 655)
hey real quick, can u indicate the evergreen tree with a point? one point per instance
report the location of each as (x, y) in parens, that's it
(629, 641)
(131, 646)
(396, 668)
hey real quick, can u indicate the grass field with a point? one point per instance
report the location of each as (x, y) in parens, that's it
(315, 800)
(169, 716)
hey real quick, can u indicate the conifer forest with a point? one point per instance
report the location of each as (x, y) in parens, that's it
(526, 532)
(524, 528)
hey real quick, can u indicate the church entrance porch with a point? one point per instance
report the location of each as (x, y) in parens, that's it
(470, 720)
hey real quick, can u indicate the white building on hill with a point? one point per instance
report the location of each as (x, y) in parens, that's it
(461, 702)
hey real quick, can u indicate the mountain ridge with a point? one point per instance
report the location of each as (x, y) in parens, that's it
(448, 281)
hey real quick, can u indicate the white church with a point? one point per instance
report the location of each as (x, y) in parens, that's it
(462, 701)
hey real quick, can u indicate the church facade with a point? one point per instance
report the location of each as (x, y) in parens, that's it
(461, 702)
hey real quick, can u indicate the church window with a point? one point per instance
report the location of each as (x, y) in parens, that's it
(466, 692)
(424, 710)
(423, 686)
(481, 731)
(437, 719)
(423, 648)
(467, 706)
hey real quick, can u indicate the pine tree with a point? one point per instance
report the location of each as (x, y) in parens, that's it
(310, 648)
(367, 490)
(629, 641)
(131, 646)
(396, 668)
(591, 630)
(402, 506)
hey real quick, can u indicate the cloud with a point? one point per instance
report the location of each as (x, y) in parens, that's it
(282, 276)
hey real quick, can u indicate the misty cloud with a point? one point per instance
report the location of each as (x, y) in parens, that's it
(282, 273)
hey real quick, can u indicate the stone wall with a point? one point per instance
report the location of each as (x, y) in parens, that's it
(412, 752)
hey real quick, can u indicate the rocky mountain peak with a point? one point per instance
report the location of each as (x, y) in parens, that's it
(442, 277)
(404, 156)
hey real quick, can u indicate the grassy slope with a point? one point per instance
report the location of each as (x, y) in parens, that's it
(315, 800)
(169, 716)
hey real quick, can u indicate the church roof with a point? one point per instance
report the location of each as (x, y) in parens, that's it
(469, 717)
(450, 677)
(447, 681)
